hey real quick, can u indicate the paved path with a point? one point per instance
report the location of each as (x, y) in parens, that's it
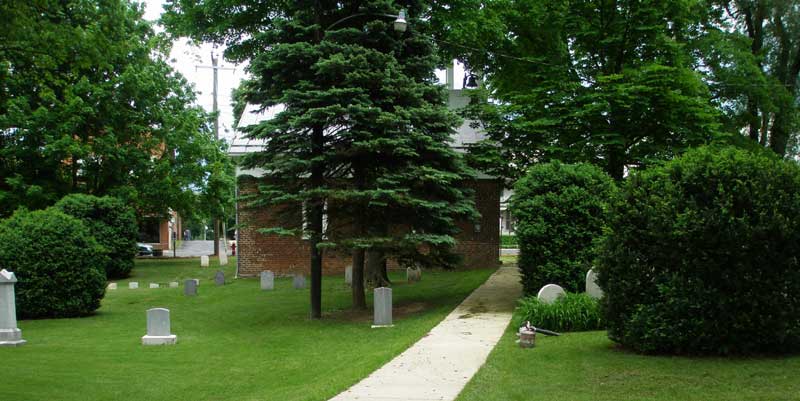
(439, 365)
(509, 251)
(196, 248)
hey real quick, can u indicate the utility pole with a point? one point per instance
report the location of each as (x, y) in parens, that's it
(215, 67)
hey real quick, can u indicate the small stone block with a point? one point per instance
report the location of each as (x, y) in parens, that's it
(348, 275)
(549, 293)
(413, 275)
(223, 258)
(158, 328)
(592, 289)
(112, 286)
(10, 334)
(267, 280)
(219, 278)
(382, 298)
(173, 284)
(299, 281)
(190, 288)
(204, 261)
(133, 285)
(153, 285)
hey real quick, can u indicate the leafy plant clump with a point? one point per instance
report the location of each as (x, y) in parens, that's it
(57, 261)
(113, 224)
(571, 312)
(702, 256)
(560, 210)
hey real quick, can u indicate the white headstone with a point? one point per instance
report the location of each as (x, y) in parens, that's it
(112, 286)
(158, 328)
(133, 285)
(190, 287)
(267, 280)
(413, 274)
(204, 261)
(173, 284)
(219, 278)
(10, 334)
(592, 289)
(299, 281)
(382, 299)
(223, 258)
(153, 285)
(549, 293)
(348, 275)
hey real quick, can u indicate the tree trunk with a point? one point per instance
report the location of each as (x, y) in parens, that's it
(316, 213)
(616, 163)
(216, 237)
(359, 298)
(376, 269)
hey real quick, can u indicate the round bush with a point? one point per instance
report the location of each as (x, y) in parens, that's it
(702, 256)
(57, 261)
(560, 211)
(113, 224)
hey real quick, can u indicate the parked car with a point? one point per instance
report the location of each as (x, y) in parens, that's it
(144, 249)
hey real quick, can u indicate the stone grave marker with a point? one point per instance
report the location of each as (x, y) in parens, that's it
(133, 285)
(382, 298)
(154, 285)
(204, 261)
(549, 293)
(173, 284)
(299, 281)
(413, 275)
(223, 258)
(592, 289)
(219, 278)
(112, 286)
(158, 328)
(190, 287)
(267, 280)
(10, 334)
(348, 275)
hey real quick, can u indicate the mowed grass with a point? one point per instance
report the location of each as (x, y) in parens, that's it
(588, 366)
(235, 342)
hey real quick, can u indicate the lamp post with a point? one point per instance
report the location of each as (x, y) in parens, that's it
(400, 22)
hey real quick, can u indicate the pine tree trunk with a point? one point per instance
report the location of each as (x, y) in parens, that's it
(316, 215)
(359, 298)
(376, 274)
(216, 237)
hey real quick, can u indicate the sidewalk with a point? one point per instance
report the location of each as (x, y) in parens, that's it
(439, 365)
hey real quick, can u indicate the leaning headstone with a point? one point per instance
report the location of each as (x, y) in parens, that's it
(413, 274)
(204, 261)
(219, 278)
(223, 258)
(592, 289)
(10, 334)
(383, 307)
(133, 285)
(153, 285)
(190, 287)
(299, 281)
(549, 293)
(348, 275)
(173, 284)
(267, 280)
(112, 286)
(158, 328)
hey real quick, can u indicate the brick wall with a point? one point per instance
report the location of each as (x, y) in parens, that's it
(285, 255)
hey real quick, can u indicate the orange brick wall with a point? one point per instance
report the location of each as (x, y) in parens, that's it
(285, 255)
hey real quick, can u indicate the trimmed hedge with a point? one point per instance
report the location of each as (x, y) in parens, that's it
(571, 312)
(57, 261)
(703, 256)
(560, 211)
(112, 223)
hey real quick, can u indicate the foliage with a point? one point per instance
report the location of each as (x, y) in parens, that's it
(608, 83)
(703, 251)
(57, 261)
(560, 210)
(112, 223)
(89, 104)
(508, 241)
(570, 312)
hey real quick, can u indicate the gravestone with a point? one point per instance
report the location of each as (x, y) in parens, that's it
(158, 328)
(223, 258)
(204, 261)
(219, 278)
(348, 275)
(196, 281)
(10, 334)
(133, 285)
(413, 275)
(299, 281)
(112, 286)
(549, 293)
(592, 289)
(382, 298)
(190, 287)
(173, 284)
(153, 285)
(267, 280)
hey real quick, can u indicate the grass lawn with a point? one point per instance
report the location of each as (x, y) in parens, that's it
(234, 342)
(587, 366)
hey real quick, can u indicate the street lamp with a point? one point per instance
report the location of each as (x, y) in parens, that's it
(400, 23)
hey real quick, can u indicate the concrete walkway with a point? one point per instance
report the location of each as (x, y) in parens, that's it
(439, 365)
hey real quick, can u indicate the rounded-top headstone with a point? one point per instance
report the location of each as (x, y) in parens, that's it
(592, 289)
(549, 293)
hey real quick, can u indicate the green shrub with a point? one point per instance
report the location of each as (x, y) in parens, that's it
(702, 257)
(113, 224)
(560, 211)
(508, 241)
(57, 261)
(571, 312)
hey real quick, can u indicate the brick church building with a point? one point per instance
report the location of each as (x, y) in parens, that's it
(478, 242)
